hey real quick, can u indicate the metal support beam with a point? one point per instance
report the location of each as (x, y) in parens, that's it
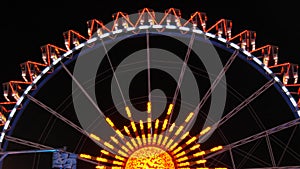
(42, 148)
(26, 142)
(256, 136)
(285, 167)
(270, 151)
(246, 101)
(232, 160)
(4, 154)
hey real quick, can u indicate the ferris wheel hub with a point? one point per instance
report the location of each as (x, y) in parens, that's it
(151, 157)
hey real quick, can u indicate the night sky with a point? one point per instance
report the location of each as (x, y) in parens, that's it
(25, 29)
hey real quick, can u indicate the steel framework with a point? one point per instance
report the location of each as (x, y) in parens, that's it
(222, 30)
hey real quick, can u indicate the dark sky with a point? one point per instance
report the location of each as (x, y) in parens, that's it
(24, 29)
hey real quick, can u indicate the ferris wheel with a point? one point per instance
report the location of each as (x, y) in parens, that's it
(153, 90)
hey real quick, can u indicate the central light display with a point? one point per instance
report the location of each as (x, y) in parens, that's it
(150, 157)
(152, 144)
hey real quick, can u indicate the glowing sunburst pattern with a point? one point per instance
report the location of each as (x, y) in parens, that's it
(150, 157)
(154, 144)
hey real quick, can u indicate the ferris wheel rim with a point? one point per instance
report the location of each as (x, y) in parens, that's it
(222, 41)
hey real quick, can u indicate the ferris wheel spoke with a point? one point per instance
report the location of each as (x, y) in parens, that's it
(181, 75)
(127, 109)
(56, 114)
(252, 158)
(285, 167)
(286, 146)
(35, 145)
(27, 143)
(148, 66)
(220, 162)
(67, 121)
(245, 102)
(256, 137)
(292, 152)
(232, 159)
(113, 71)
(213, 86)
(149, 111)
(249, 153)
(82, 89)
(217, 80)
(183, 68)
(270, 150)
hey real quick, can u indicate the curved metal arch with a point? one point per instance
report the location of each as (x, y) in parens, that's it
(218, 41)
